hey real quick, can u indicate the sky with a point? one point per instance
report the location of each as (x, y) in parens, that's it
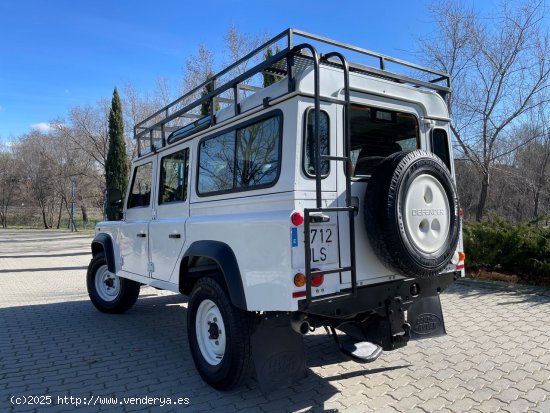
(58, 54)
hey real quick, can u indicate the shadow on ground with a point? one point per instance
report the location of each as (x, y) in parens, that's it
(71, 349)
(501, 291)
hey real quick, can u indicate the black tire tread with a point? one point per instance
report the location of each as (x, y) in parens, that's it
(383, 224)
(129, 289)
(237, 360)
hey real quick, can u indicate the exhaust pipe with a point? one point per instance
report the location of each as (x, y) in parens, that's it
(300, 325)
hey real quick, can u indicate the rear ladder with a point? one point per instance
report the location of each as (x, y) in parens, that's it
(313, 214)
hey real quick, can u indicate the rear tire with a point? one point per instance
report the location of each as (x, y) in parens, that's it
(108, 292)
(219, 335)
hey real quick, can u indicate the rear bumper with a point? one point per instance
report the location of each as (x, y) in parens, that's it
(375, 298)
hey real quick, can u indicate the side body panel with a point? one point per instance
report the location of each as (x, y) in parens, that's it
(133, 231)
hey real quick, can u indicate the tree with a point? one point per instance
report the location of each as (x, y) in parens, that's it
(207, 89)
(37, 173)
(116, 166)
(500, 70)
(269, 79)
(533, 162)
(9, 180)
(197, 68)
(238, 44)
(201, 66)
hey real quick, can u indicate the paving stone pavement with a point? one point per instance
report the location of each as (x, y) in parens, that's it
(496, 356)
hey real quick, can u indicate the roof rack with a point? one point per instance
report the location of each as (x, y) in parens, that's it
(183, 117)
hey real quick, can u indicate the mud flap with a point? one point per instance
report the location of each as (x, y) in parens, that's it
(426, 318)
(278, 354)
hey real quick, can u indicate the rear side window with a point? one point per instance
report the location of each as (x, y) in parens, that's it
(378, 133)
(247, 157)
(140, 195)
(217, 163)
(440, 146)
(173, 177)
(257, 154)
(309, 147)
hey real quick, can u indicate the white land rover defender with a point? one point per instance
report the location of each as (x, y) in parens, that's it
(326, 199)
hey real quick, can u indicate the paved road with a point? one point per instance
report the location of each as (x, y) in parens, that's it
(496, 356)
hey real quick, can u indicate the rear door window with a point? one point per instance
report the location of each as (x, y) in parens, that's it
(378, 133)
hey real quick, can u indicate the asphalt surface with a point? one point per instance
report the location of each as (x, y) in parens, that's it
(57, 353)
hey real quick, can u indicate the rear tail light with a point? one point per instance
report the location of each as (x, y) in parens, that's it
(297, 219)
(461, 259)
(299, 280)
(317, 279)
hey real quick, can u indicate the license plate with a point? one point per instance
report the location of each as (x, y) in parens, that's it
(324, 245)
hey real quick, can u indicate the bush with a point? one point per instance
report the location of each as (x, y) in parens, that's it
(522, 249)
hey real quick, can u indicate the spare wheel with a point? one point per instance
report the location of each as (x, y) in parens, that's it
(411, 213)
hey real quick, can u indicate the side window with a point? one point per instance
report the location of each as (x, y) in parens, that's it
(173, 177)
(309, 154)
(440, 146)
(258, 153)
(140, 195)
(217, 158)
(244, 158)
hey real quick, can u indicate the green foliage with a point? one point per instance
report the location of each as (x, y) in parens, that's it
(116, 166)
(523, 249)
(209, 88)
(269, 79)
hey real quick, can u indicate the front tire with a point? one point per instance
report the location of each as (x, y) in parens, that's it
(108, 292)
(219, 335)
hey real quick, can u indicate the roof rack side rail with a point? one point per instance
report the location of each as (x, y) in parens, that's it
(381, 57)
(282, 64)
(216, 76)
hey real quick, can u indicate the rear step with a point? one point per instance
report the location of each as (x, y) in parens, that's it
(360, 351)
(363, 351)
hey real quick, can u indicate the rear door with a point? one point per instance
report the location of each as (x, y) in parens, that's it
(167, 228)
(323, 234)
(376, 132)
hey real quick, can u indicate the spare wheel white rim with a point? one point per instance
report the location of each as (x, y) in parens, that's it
(427, 214)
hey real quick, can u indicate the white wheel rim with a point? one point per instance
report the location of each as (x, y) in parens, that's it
(210, 331)
(427, 214)
(107, 284)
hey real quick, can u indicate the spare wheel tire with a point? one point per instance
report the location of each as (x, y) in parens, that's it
(411, 213)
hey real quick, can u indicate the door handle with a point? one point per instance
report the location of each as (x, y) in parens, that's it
(141, 235)
(355, 204)
(174, 236)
